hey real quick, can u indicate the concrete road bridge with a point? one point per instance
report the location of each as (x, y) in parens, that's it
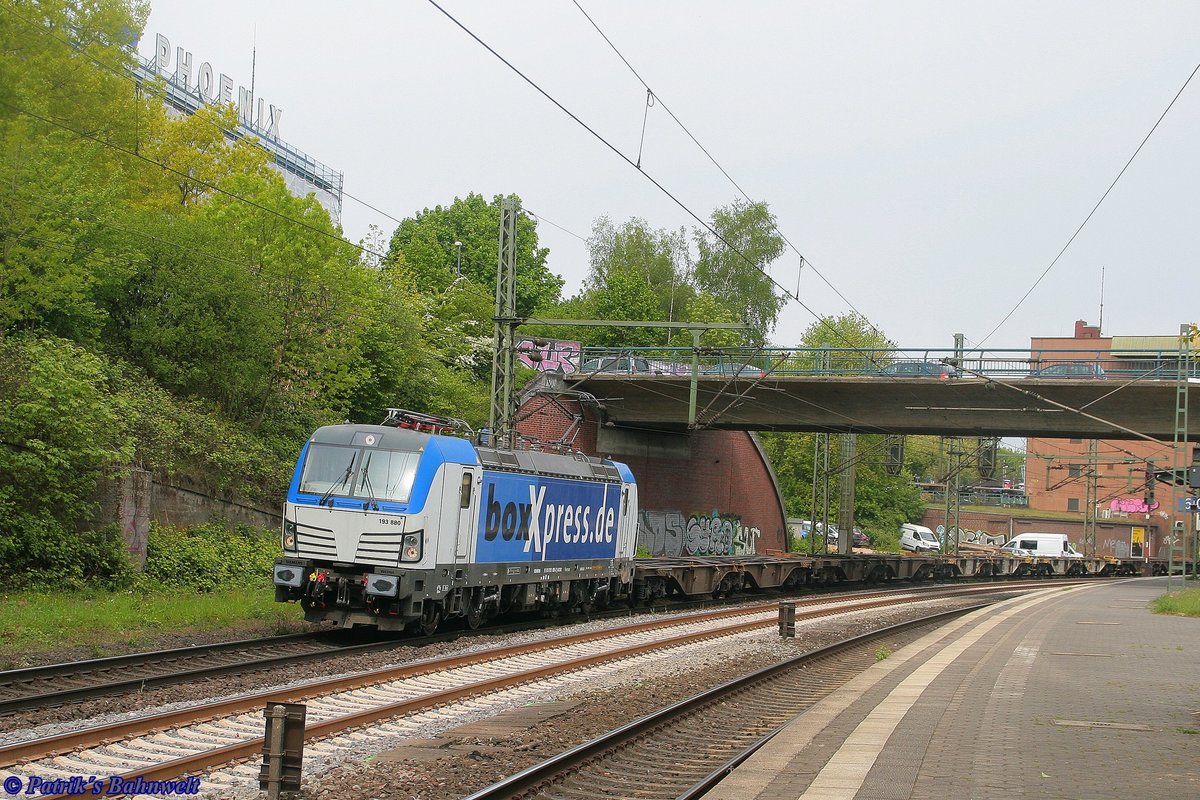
(1067, 394)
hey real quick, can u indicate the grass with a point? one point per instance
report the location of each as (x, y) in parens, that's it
(1184, 603)
(111, 622)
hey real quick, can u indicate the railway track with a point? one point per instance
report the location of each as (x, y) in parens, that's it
(56, 684)
(192, 740)
(75, 681)
(679, 753)
(72, 682)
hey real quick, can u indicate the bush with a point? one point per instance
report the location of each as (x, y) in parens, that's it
(41, 553)
(210, 556)
(887, 541)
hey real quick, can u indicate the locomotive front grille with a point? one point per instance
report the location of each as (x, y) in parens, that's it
(381, 548)
(315, 543)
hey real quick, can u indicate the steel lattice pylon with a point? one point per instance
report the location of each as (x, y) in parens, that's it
(503, 352)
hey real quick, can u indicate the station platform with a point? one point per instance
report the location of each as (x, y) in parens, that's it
(1063, 693)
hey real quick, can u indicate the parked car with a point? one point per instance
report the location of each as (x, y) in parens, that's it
(1076, 370)
(858, 538)
(918, 538)
(620, 364)
(1052, 545)
(734, 370)
(918, 369)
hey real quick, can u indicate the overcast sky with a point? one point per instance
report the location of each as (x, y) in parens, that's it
(930, 159)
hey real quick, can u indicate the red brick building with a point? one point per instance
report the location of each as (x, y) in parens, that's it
(700, 493)
(1056, 470)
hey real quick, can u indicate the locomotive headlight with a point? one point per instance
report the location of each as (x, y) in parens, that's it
(289, 535)
(382, 585)
(288, 575)
(410, 550)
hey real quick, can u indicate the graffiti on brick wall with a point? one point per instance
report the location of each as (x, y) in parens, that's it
(549, 355)
(710, 535)
(660, 533)
(976, 537)
(1118, 547)
(670, 533)
(1132, 505)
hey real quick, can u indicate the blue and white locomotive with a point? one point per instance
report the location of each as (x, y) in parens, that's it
(402, 526)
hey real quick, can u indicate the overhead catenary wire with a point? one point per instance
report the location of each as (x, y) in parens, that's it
(616, 151)
(302, 223)
(1091, 213)
(365, 250)
(538, 88)
(659, 101)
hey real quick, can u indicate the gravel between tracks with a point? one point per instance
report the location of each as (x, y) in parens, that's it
(19, 726)
(444, 765)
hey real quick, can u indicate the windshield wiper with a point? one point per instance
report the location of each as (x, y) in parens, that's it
(339, 484)
(366, 482)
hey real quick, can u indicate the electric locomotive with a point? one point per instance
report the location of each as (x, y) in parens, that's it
(408, 523)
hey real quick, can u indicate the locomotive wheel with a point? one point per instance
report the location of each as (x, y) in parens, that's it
(475, 613)
(431, 618)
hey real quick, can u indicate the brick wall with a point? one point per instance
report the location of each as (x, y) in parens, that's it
(1113, 539)
(708, 492)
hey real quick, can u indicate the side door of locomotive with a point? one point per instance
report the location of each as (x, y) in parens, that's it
(459, 505)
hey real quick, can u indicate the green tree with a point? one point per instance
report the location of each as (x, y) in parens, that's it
(882, 501)
(626, 295)
(850, 343)
(247, 308)
(60, 427)
(426, 352)
(659, 257)
(58, 180)
(195, 155)
(736, 266)
(426, 244)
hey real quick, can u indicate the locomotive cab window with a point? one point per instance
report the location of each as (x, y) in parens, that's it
(366, 473)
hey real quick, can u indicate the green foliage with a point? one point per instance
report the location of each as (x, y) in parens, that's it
(211, 556)
(101, 623)
(625, 295)
(736, 266)
(885, 540)
(55, 253)
(882, 501)
(1184, 603)
(190, 437)
(426, 244)
(851, 344)
(39, 551)
(636, 255)
(882, 654)
(272, 328)
(60, 429)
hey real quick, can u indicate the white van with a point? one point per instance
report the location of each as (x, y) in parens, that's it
(1046, 545)
(918, 538)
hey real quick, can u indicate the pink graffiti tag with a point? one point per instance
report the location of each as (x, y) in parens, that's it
(554, 355)
(1132, 505)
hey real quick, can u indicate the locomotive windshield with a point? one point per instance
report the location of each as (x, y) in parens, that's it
(367, 473)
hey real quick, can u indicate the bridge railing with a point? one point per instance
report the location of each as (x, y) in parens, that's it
(829, 361)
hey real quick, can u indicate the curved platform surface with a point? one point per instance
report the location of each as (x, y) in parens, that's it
(1079, 693)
